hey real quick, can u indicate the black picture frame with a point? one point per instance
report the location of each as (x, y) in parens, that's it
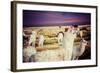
(14, 34)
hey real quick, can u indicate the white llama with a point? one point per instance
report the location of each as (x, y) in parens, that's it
(28, 53)
(41, 40)
(60, 38)
(32, 38)
(68, 42)
(79, 51)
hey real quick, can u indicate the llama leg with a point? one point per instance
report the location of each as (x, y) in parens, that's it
(73, 57)
(77, 58)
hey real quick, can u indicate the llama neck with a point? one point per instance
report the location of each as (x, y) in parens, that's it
(82, 49)
(83, 46)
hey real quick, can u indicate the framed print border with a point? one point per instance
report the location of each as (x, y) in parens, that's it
(14, 34)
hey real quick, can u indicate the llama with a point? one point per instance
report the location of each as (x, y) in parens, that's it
(41, 40)
(68, 42)
(60, 38)
(32, 38)
(29, 53)
(79, 51)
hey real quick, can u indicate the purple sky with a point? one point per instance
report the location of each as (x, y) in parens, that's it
(33, 18)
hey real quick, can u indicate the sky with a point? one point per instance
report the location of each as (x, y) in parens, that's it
(32, 18)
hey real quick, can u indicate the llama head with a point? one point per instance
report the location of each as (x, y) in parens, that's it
(84, 42)
(33, 32)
